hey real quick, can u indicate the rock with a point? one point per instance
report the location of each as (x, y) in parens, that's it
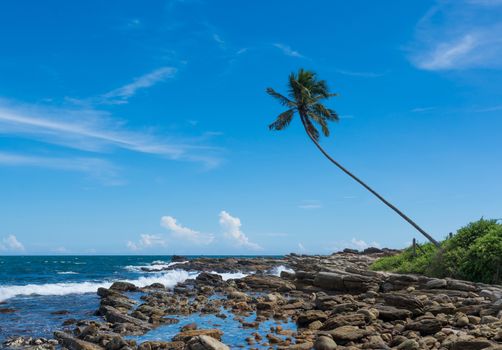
(7, 311)
(310, 316)
(435, 284)
(205, 342)
(324, 343)
(178, 258)
(237, 295)
(124, 287)
(390, 313)
(426, 326)
(489, 319)
(160, 345)
(299, 346)
(187, 335)
(263, 282)
(115, 316)
(211, 279)
(343, 282)
(344, 320)
(347, 333)
(408, 344)
(72, 343)
(470, 345)
(404, 301)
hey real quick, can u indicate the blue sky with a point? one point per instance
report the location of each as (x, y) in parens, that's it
(128, 127)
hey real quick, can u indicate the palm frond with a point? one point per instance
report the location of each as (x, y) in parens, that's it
(283, 120)
(282, 99)
(312, 129)
(329, 114)
(319, 119)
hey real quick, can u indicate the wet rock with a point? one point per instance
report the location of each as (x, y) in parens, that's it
(124, 287)
(187, 335)
(7, 310)
(115, 316)
(160, 345)
(205, 342)
(72, 343)
(211, 279)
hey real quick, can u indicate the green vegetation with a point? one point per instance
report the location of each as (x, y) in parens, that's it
(474, 253)
(306, 95)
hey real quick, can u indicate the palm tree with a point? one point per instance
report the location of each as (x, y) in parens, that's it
(305, 95)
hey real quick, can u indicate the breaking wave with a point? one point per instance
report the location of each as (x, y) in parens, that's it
(169, 279)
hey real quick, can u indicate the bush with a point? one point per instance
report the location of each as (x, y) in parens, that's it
(474, 253)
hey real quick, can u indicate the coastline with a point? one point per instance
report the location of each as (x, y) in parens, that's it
(309, 302)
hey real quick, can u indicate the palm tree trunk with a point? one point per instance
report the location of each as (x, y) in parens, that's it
(386, 202)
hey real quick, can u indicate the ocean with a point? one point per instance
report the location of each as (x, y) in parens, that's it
(39, 293)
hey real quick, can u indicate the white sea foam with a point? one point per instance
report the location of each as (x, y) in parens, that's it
(231, 275)
(156, 266)
(169, 279)
(67, 273)
(276, 270)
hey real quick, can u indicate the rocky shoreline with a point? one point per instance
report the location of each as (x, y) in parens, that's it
(335, 301)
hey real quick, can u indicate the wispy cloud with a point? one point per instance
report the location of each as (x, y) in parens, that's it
(99, 169)
(457, 35)
(122, 94)
(310, 204)
(147, 241)
(94, 130)
(232, 230)
(185, 233)
(288, 51)
(11, 243)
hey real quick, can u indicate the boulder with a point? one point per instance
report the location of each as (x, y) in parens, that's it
(347, 333)
(161, 345)
(324, 343)
(426, 325)
(310, 316)
(187, 335)
(356, 319)
(124, 286)
(72, 343)
(205, 342)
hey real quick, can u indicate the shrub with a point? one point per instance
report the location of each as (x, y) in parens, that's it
(474, 253)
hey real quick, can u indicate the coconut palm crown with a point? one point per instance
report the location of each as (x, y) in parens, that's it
(305, 94)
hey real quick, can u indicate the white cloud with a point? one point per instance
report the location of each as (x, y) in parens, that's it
(99, 169)
(288, 51)
(457, 35)
(95, 130)
(310, 204)
(232, 230)
(182, 232)
(147, 241)
(354, 243)
(123, 93)
(10, 243)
